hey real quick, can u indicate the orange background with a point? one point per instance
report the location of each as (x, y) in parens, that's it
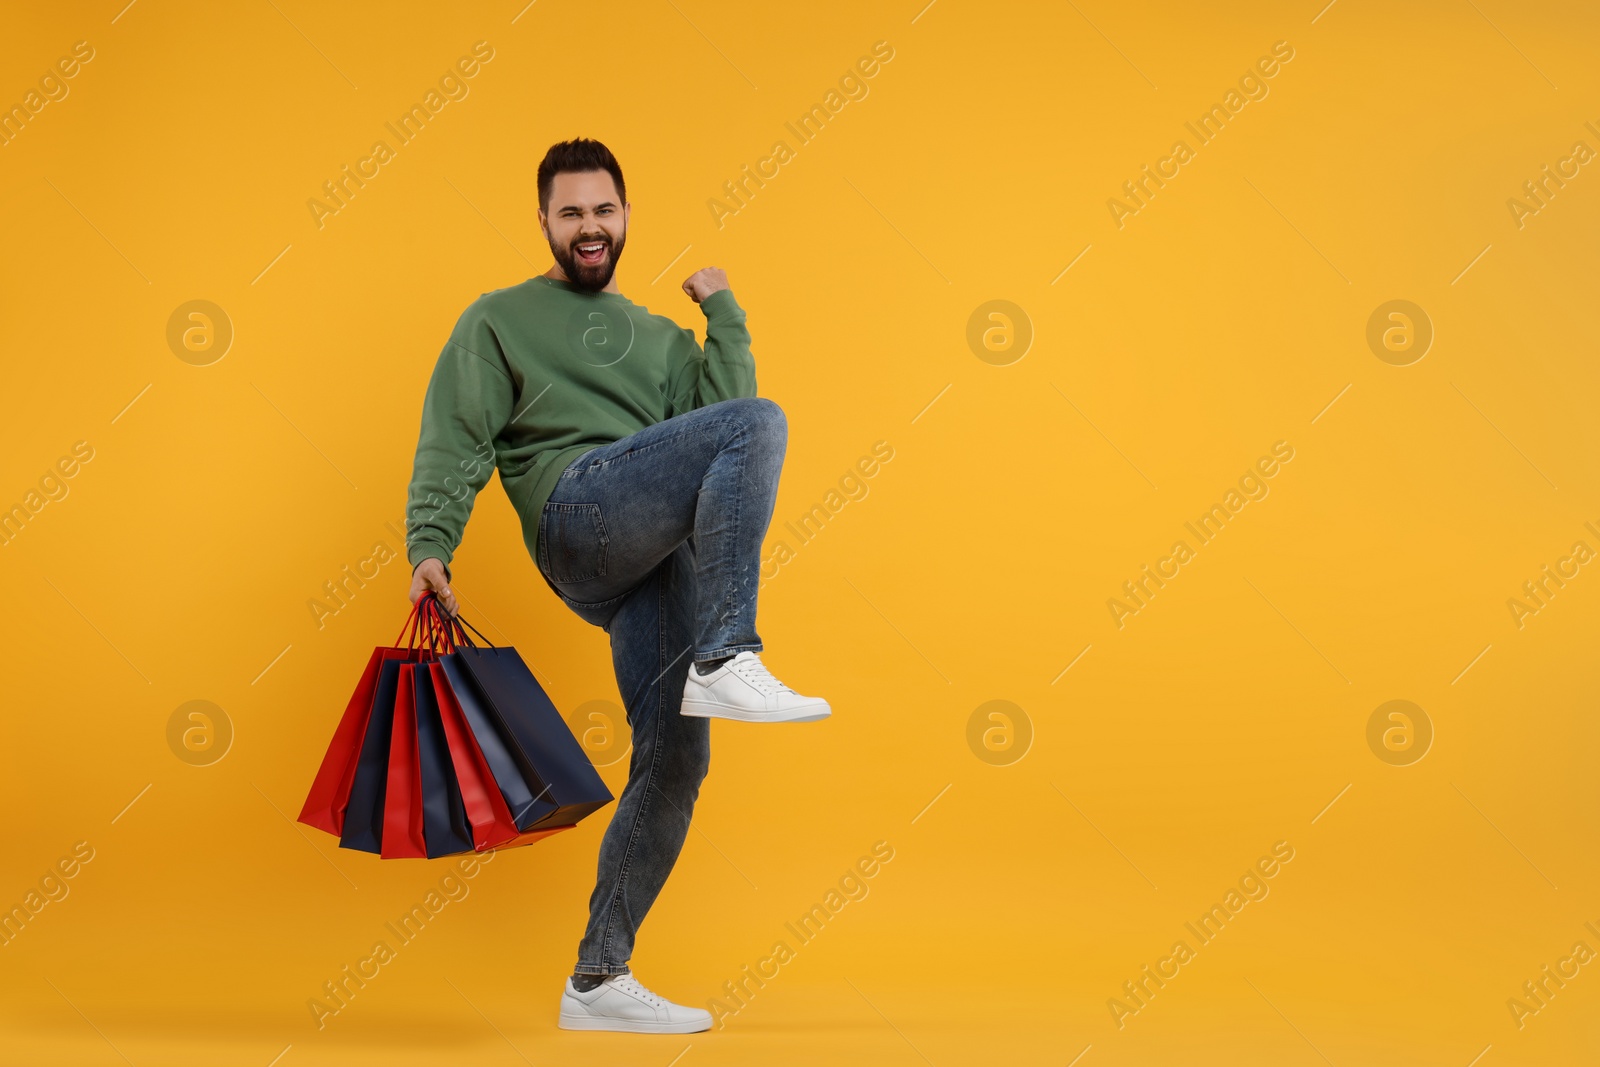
(1040, 859)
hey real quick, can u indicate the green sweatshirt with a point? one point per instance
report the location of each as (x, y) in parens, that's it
(535, 375)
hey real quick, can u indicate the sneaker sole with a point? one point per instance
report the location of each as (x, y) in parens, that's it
(628, 1026)
(809, 713)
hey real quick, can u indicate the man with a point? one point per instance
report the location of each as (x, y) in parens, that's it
(644, 471)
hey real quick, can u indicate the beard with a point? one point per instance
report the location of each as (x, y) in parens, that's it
(595, 277)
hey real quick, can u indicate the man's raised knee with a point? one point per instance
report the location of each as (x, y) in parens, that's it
(763, 415)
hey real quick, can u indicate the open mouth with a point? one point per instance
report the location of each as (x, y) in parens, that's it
(591, 253)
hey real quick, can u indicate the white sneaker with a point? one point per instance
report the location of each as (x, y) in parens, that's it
(743, 689)
(621, 1003)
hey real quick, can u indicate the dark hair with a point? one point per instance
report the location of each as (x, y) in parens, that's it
(577, 155)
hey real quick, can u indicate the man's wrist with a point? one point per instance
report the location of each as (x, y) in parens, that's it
(442, 563)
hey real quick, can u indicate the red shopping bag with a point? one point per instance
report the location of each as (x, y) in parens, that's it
(329, 797)
(402, 803)
(486, 808)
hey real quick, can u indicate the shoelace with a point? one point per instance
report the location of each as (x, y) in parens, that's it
(629, 984)
(755, 672)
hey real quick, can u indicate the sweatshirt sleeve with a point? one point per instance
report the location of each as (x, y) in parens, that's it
(467, 405)
(725, 369)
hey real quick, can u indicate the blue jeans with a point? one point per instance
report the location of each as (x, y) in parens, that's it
(656, 538)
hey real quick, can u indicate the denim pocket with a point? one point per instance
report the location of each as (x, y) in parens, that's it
(577, 466)
(572, 539)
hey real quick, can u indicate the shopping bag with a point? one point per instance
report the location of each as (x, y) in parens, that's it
(412, 772)
(402, 799)
(444, 761)
(490, 818)
(446, 828)
(545, 777)
(369, 789)
(365, 826)
(329, 796)
(424, 813)
(485, 806)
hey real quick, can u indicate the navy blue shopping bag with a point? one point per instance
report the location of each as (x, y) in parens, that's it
(445, 826)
